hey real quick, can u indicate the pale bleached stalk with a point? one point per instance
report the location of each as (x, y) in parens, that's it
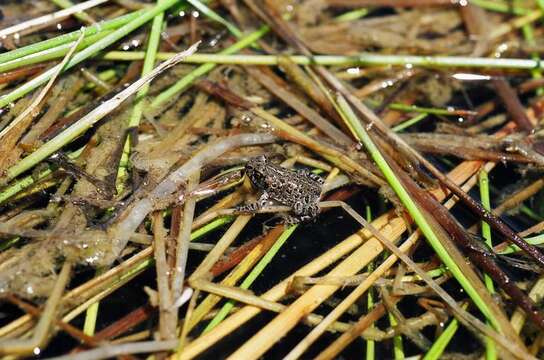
(121, 232)
(49, 18)
(230, 279)
(167, 319)
(109, 287)
(253, 350)
(261, 342)
(83, 16)
(305, 304)
(235, 293)
(246, 313)
(188, 314)
(248, 298)
(97, 283)
(31, 110)
(468, 319)
(184, 237)
(368, 250)
(110, 351)
(338, 310)
(226, 240)
(355, 330)
(516, 23)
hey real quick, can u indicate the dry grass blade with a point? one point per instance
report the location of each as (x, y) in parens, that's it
(366, 249)
(11, 133)
(182, 241)
(269, 187)
(108, 351)
(302, 346)
(45, 20)
(41, 331)
(31, 110)
(259, 343)
(93, 117)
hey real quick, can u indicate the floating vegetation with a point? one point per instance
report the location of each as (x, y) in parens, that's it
(271, 179)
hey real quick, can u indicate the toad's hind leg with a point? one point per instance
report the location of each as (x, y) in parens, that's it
(305, 172)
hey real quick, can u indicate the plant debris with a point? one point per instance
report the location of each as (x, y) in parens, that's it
(125, 130)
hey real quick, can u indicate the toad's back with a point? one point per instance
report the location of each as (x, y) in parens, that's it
(298, 189)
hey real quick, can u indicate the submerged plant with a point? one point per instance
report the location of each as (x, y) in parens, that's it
(131, 143)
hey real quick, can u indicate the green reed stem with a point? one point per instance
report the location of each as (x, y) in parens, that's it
(29, 180)
(149, 64)
(91, 314)
(410, 122)
(425, 110)
(535, 240)
(138, 109)
(500, 7)
(217, 223)
(363, 59)
(528, 34)
(206, 67)
(206, 11)
(66, 38)
(438, 347)
(414, 211)
(370, 344)
(87, 52)
(52, 53)
(398, 348)
(352, 15)
(490, 348)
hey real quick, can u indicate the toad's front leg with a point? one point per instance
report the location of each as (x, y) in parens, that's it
(303, 212)
(252, 208)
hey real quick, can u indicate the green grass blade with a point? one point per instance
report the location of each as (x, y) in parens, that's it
(52, 53)
(410, 122)
(438, 347)
(217, 223)
(362, 59)
(248, 281)
(66, 38)
(413, 210)
(87, 52)
(216, 17)
(207, 67)
(138, 109)
(490, 348)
